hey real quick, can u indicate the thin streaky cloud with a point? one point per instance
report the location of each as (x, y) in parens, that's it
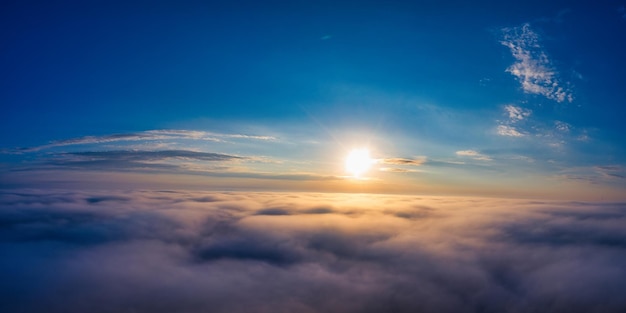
(269, 138)
(192, 134)
(402, 161)
(164, 161)
(532, 67)
(610, 167)
(611, 171)
(179, 162)
(505, 130)
(595, 175)
(473, 154)
(151, 135)
(396, 170)
(97, 139)
(155, 155)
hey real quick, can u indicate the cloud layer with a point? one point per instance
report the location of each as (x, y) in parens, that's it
(181, 251)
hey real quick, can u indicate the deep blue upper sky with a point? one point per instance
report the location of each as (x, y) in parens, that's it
(439, 74)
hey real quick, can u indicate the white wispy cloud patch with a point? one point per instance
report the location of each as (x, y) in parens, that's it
(583, 136)
(473, 154)
(562, 126)
(506, 130)
(518, 123)
(533, 68)
(516, 113)
(558, 133)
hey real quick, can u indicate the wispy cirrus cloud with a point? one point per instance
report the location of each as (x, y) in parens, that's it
(597, 174)
(172, 161)
(169, 162)
(473, 154)
(506, 130)
(399, 165)
(402, 161)
(516, 113)
(208, 135)
(612, 171)
(533, 68)
(171, 152)
(518, 123)
(155, 155)
(150, 135)
(397, 170)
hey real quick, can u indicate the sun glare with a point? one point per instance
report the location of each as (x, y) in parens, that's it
(358, 162)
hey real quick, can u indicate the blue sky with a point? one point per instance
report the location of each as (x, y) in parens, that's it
(521, 99)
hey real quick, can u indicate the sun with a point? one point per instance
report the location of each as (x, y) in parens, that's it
(358, 162)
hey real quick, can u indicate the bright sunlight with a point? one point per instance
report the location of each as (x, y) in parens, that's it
(358, 162)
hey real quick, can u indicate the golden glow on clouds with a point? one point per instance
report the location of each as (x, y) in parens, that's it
(358, 162)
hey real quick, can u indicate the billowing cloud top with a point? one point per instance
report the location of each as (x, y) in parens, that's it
(183, 251)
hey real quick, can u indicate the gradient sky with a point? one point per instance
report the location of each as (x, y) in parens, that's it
(189, 156)
(521, 99)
